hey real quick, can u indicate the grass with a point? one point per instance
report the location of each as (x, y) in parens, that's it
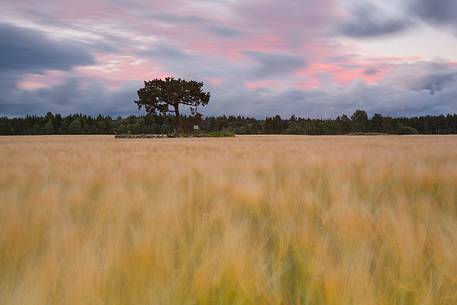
(246, 220)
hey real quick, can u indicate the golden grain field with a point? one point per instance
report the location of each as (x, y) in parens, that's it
(247, 220)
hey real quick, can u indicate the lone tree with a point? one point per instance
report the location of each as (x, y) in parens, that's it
(163, 96)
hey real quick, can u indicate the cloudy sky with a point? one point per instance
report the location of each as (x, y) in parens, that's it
(311, 58)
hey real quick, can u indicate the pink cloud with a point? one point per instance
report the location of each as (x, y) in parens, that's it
(264, 84)
(116, 69)
(216, 81)
(345, 70)
(131, 29)
(41, 81)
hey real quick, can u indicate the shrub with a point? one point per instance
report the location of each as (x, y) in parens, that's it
(221, 134)
(407, 130)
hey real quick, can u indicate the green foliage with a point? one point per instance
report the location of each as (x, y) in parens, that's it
(165, 124)
(75, 127)
(294, 128)
(377, 123)
(164, 96)
(5, 128)
(406, 130)
(49, 127)
(359, 121)
(122, 129)
(275, 125)
(344, 124)
(221, 134)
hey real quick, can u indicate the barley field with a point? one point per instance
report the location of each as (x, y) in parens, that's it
(248, 220)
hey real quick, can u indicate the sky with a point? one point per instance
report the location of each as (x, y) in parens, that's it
(308, 58)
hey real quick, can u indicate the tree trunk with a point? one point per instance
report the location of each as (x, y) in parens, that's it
(177, 121)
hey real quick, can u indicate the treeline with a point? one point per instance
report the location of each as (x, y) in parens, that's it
(359, 122)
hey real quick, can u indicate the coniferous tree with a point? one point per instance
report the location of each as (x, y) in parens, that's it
(359, 121)
(75, 126)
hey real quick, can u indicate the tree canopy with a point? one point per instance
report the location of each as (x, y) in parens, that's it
(164, 96)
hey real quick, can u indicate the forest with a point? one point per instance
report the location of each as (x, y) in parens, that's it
(358, 123)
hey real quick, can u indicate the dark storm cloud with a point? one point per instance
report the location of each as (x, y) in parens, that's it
(436, 82)
(407, 92)
(202, 40)
(436, 11)
(75, 95)
(270, 65)
(372, 28)
(27, 50)
(366, 21)
(411, 89)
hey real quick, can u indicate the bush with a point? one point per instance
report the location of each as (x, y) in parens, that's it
(221, 134)
(405, 130)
